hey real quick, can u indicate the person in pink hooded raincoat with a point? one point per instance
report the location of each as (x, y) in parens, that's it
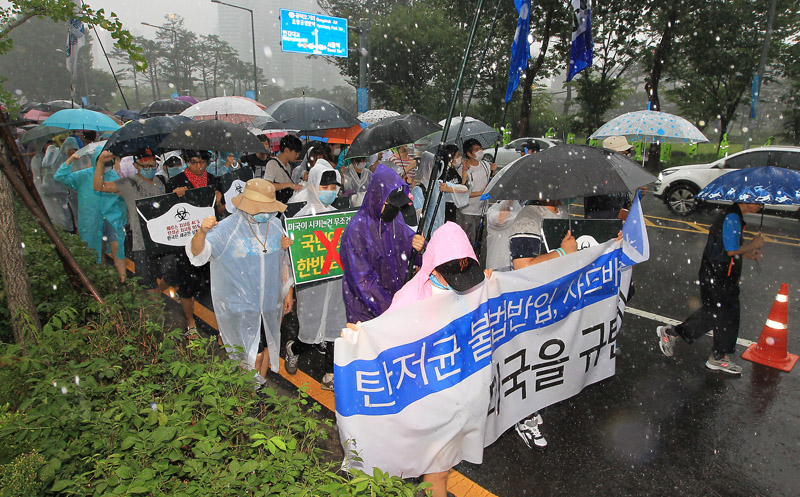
(448, 264)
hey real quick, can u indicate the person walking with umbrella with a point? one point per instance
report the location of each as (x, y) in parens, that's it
(192, 280)
(720, 270)
(101, 216)
(130, 189)
(476, 175)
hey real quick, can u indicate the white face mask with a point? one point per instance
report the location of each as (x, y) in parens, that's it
(457, 162)
(479, 155)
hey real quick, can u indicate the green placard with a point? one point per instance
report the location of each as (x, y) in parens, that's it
(315, 251)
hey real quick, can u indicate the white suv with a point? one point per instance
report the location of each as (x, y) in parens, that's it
(677, 186)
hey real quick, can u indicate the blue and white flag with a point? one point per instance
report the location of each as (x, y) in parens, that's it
(580, 54)
(75, 40)
(420, 389)
(520, 49)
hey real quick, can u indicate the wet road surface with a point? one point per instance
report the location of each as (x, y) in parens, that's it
(664, 426)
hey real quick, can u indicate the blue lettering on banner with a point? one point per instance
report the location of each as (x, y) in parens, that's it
(402, 375)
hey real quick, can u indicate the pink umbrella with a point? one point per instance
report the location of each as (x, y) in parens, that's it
(188, 98)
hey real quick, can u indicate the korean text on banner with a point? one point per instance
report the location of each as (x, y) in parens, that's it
(315, 251)
(457, 370)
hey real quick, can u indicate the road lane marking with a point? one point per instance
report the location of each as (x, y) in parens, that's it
(663, 319)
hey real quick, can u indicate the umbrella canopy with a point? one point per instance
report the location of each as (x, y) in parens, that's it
(81, 119)
(55, 105)
(165, 107)
(376, 115)
(90, 149)
(40, 133)
(344, 135)
(309, 114)
(391, 132)
(37, 115)
(259, 104)
(567, 171)
(143, 133)
(473, 128)
(212, 135)
(127, 115)
(187, 98)
(650, 126)
(767, 185)
(234, 110)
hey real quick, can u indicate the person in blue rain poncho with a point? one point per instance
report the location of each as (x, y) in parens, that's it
(320, 305)
(250, 275)
(101, 216)
(375, 247)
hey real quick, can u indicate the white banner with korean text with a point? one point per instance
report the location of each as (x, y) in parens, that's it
(420, 389)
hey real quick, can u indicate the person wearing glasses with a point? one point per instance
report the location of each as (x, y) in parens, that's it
(130, 189)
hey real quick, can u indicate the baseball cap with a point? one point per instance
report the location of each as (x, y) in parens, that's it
(461, 274)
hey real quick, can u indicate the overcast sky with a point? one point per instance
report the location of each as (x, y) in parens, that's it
(199, 16)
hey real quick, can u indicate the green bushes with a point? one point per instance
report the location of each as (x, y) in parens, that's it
(105, 401)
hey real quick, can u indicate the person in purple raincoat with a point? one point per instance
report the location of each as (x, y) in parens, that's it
(375, 247)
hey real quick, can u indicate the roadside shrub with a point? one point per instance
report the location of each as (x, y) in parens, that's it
(106, 401)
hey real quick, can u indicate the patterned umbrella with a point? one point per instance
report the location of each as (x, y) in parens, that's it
(767, 185)
(651, 126)
(235, 110)
(376, 115)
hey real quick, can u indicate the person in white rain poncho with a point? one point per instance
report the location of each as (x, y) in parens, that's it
(356, 180)
(320, 305)
(250, 274)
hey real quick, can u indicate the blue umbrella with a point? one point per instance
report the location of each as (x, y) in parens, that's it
(650, 126)
(81, 119)
(767, 185)
(755, 185)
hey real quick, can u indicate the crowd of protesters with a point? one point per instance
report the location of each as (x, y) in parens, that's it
(241, 259)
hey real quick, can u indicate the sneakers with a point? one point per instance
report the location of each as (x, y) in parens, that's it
(531, 434)
(290, 363)
(725, 365)
(666, 341)
(327, 382)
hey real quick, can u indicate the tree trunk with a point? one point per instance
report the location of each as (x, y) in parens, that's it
(567, 100)
(136, 90)
(662, 51)
(530, 74)
(16, 283)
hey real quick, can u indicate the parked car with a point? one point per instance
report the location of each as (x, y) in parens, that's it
(677, 186)
(506, 154)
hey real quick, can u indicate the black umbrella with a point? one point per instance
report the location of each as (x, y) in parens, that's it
(166, 107)
(473, 128)
(54, 106)
(143, 133)
(212, 135)
(309, 114)
(567, 171)
(391, 132)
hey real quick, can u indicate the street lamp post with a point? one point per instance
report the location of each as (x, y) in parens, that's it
(253, 35)
(174, 49)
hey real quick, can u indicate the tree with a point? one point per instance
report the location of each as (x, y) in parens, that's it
(212, 53)
(719, 56)
(617, 47)
(178, 50)
(12, 266)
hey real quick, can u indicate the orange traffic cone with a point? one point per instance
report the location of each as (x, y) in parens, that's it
(772, 347)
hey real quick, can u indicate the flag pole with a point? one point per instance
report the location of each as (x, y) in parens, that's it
(437, 159)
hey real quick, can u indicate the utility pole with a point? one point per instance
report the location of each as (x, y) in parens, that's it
(253, 35)
(362, 92)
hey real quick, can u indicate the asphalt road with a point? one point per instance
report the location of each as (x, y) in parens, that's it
(664, 426)
(668, 426)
